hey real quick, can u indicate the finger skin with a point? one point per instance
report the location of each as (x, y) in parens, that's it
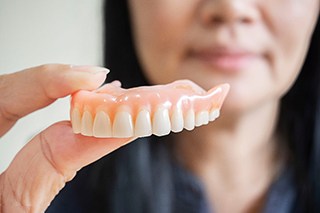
(26, 91)
(41, 169)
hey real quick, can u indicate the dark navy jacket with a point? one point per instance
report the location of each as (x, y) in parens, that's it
(78, 197)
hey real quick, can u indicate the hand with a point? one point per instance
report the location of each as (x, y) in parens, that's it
(41, 169)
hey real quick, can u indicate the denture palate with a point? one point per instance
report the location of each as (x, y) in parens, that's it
(112, 111)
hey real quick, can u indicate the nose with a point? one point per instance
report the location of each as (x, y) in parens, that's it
(215, 12)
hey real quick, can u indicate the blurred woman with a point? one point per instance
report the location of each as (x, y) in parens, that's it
(262, 154)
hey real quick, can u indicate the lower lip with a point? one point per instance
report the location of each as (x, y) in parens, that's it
(227, 62)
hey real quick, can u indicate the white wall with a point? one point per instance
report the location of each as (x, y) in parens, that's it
(45, 31)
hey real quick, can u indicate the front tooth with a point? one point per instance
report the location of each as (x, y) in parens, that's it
(122, 125)
(76, 120)
(102, 125)
(161, 122)
(177, 120)
(214, 114)
(202, 118)
(142, 125)
(86, 124)
(189, 120)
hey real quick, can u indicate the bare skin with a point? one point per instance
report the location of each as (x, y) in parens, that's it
(52, 158)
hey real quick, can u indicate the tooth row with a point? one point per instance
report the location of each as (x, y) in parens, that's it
(124, 126)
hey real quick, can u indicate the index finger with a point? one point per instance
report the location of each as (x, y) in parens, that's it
(26, 91)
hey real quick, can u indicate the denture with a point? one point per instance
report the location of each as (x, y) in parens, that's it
(112, 111)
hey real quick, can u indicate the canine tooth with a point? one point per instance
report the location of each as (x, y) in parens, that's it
(189, 120)
(214, 114)
(122, 125)
(76, 120)
(202, 118)
(161, 122)
(177, 120)
(142, 125)
(86, 124)
(102, 125)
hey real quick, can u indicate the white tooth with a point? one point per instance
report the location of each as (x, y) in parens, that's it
(214, 114)
(86, 124)
(142, 125)
(102, 125)
(122, 125)
(202, 118)
(76, 120)
(189, 120)
(161, 122)
(177, 120)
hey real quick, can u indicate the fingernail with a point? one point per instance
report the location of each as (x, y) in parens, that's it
(91, 69)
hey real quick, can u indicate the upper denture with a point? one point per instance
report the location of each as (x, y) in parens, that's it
(112, 111)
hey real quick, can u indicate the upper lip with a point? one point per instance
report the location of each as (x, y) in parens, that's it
(220, 51)
(226, 47)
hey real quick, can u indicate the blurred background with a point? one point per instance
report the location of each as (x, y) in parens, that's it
(45, 31)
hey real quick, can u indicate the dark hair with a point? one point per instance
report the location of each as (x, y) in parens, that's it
(141, 175)
(299, 123)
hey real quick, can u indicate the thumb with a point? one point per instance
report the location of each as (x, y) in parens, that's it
(41, 169)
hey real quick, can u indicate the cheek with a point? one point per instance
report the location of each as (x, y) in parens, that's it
(290, 32)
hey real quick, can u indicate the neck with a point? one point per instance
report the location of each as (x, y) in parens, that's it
(233, 153)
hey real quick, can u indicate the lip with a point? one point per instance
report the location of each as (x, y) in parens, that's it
(225, 59)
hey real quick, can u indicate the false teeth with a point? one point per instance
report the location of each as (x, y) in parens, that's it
(86, 124)
(189, 120)
(202, 118)
(143, 124)
(122, 125)
(215, 113)
(161, 122)
(112, 111)
(177, 120)
(102, 125)
(76, 121)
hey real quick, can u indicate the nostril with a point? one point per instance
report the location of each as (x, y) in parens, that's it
(245, 20)
(218, 20)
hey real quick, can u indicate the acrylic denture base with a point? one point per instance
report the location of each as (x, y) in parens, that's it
(112, 111)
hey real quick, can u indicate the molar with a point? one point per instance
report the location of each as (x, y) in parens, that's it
(177, 120)
(161, 122)
(76, 120)
(102, 125)
(202, 118)
(214, 113)
(86, 124)
(143, 124)
(122, 124)
(189, 120)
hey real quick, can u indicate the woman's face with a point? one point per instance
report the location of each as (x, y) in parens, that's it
(257, 46)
